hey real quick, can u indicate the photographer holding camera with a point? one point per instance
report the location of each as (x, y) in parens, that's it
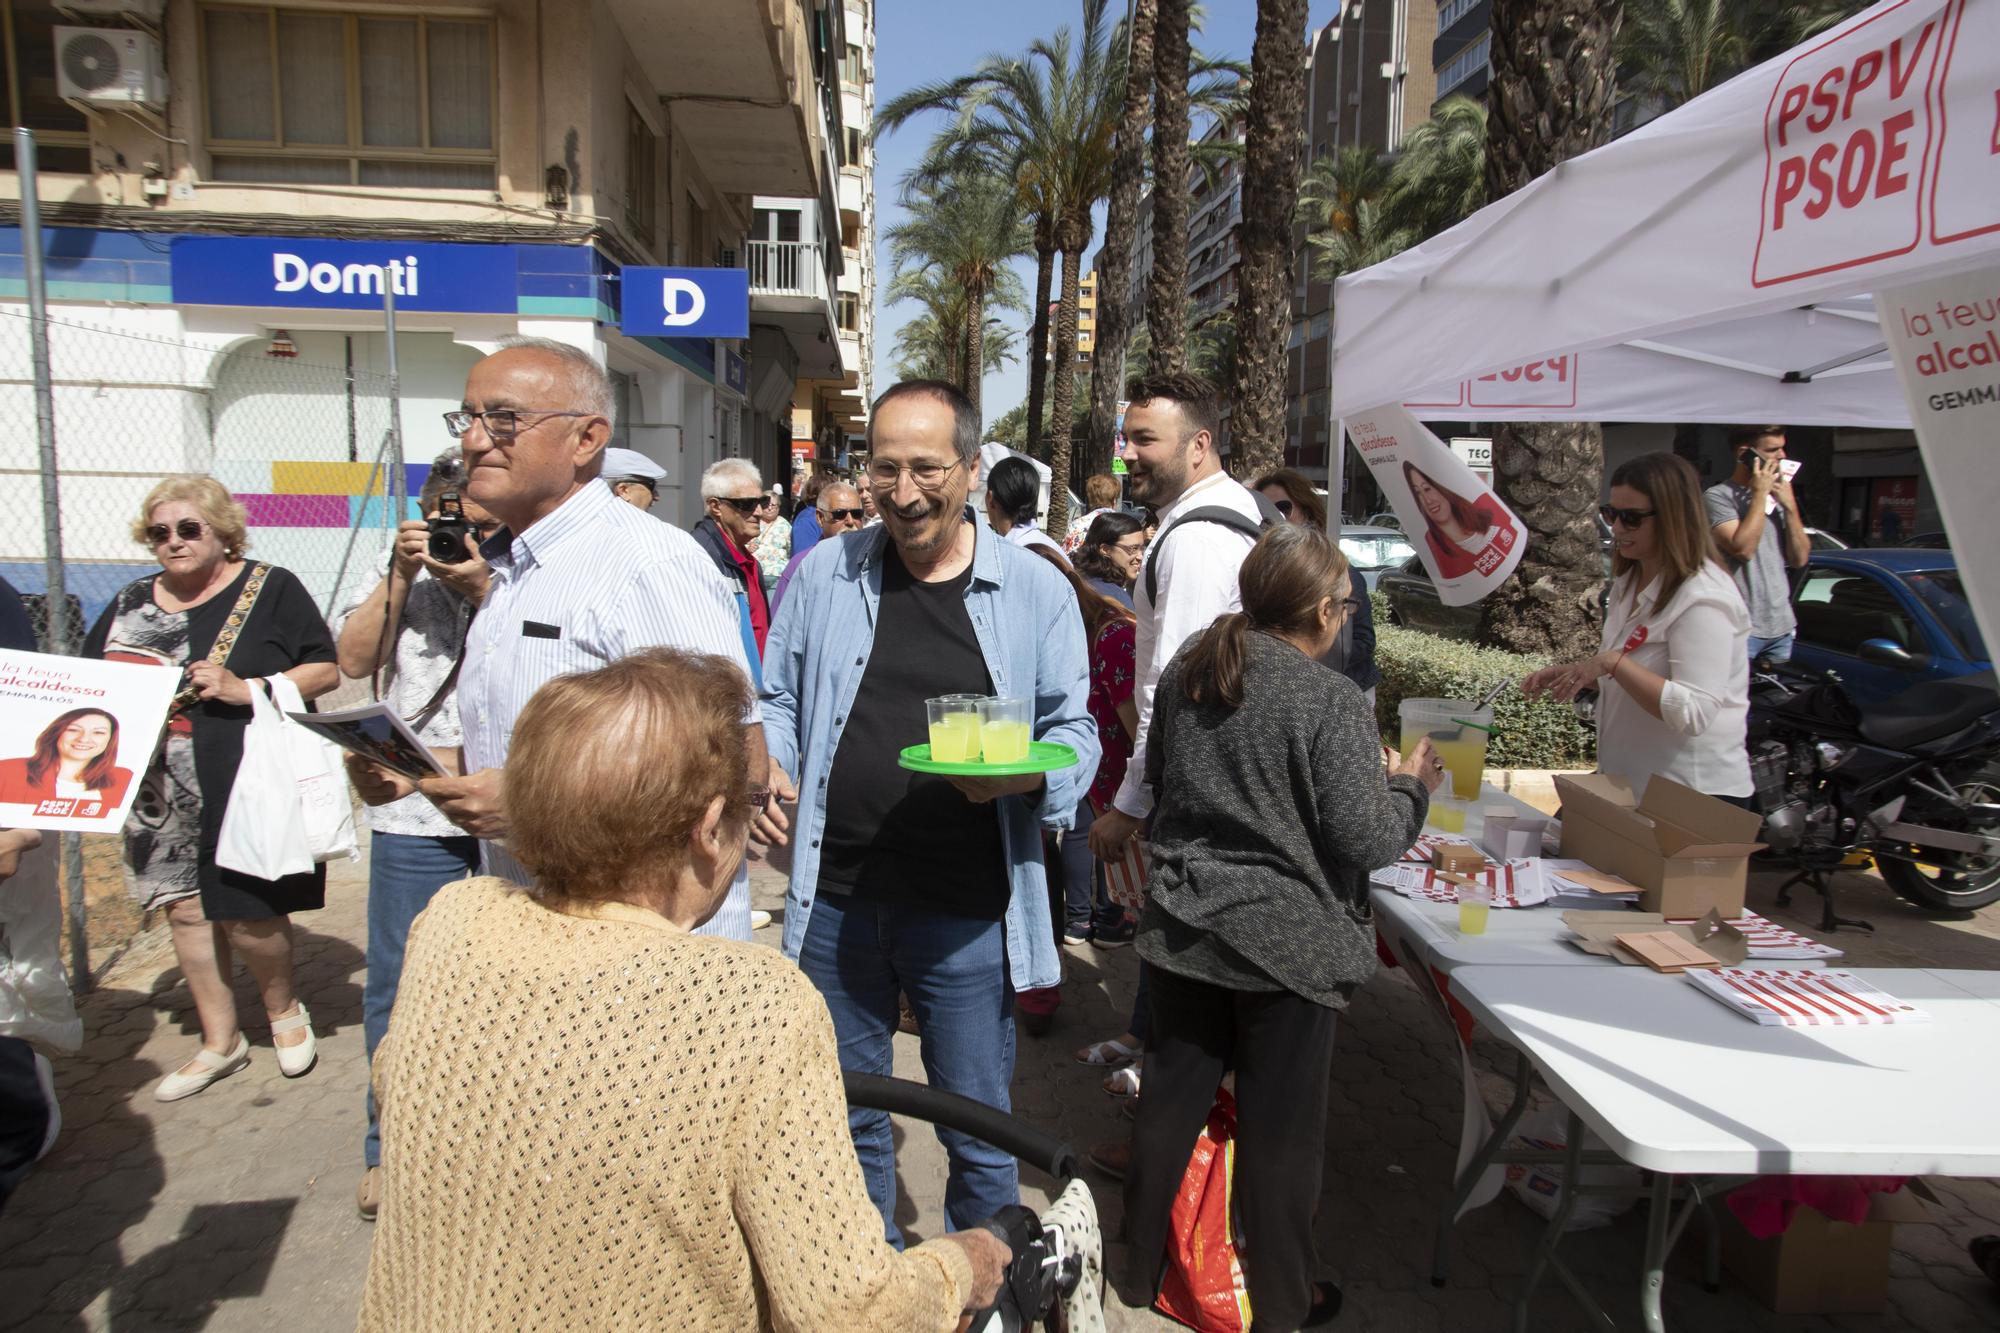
(413, 623)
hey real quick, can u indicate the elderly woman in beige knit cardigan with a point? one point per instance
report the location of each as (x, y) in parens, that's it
(594, 1119)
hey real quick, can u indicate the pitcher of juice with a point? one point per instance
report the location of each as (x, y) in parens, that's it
(1003, 730)
(954, 725)
(1458, 731)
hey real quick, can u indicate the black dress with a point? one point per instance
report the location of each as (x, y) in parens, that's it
(284, 630)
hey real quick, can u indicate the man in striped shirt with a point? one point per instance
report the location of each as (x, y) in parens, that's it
(579, 579)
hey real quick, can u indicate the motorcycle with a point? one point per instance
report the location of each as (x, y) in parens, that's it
(1913, 784)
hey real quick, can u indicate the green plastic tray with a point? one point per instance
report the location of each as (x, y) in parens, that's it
(1043, 757)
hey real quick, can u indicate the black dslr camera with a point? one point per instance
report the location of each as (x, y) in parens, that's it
(448, 530)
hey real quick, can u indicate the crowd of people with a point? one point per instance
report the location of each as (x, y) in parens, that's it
(569, 1032)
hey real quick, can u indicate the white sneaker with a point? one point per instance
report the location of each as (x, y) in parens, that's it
(295, 1060)
(212, 1067)
(759, 920)
(45, 1075)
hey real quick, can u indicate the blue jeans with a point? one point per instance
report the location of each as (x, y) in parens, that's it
(954, 971)
(404, 872)
(1086, 904)
(1778, 648)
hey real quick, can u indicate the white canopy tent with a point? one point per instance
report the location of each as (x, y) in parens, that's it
(1714, 264)
(1720, 263)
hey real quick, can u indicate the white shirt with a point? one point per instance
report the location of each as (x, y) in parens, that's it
(1700, 642)
(590, 583)
(1026, 535)
(1196, 573)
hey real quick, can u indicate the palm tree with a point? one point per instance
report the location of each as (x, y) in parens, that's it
(1274, 141)
(1336, 185)
(1439, 176)
(1550, 99)
(933, 345)
(1166, 289)
(967, 227)
(1675, 50)
(1121, 214)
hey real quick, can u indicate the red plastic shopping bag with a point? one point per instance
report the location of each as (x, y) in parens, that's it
(1204, 1286)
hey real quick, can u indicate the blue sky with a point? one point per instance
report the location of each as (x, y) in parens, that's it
(917, 41)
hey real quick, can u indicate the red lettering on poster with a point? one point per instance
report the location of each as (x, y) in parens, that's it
(1848, 124)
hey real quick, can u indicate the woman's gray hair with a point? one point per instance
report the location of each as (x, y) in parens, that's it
(716, 481)
(589, 381)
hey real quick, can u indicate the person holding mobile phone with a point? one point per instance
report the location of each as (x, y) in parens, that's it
(1757, 523)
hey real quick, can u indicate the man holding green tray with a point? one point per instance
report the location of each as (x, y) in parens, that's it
(903, 881)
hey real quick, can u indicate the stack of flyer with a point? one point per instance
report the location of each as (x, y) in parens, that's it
(1768, 939)
(1775, 998)
(1514, 884)
(1574, 883)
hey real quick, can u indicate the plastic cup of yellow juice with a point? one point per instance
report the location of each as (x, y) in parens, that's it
(954, 725)
(1003, 730)
(1447, 815)
(1475, 903)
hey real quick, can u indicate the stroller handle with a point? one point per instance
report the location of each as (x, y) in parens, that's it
(898, 1096)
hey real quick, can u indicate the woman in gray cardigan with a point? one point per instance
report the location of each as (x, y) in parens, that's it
(1272, 807)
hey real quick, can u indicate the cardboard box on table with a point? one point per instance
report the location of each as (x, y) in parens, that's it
(1818, 1266)
(1688, 853)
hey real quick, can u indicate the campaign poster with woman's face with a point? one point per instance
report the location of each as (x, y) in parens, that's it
(76, 735)
(1468, 540)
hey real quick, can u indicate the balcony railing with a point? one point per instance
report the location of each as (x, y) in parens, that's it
(785, 268)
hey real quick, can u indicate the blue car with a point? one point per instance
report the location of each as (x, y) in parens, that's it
(1885, 618)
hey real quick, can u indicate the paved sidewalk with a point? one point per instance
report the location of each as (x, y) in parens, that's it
(234, 1209)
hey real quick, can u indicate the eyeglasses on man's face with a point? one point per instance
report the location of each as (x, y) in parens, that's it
(188, 530)
(926, 474)
(838, 514)
(502, 423)
(742, 504)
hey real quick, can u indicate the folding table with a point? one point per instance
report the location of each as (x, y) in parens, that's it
(1676, 1083)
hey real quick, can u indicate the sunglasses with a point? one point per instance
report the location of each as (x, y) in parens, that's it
(1630, 518)
(856, 514)
(1284, 507)
(757, 798)
(743, 504)
(188, 530)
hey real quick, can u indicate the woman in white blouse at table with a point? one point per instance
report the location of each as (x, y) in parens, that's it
(1673, 676)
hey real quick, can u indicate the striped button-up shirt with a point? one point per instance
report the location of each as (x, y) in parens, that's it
(582, 587)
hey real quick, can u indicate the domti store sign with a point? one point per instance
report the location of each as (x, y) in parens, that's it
(342, 275)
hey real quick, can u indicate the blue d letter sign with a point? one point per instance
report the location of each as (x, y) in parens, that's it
(685, 302)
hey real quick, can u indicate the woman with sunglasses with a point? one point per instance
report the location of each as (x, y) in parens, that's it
(197, 532)
(1673, 674)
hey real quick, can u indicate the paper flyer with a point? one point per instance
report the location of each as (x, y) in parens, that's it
(374, 732)
(76, 735)
(1469, 541)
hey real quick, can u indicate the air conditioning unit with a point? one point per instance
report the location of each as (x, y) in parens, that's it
(110, 67)
(146, 11)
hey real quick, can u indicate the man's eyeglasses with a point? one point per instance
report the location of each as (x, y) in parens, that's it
(1630, 518)
(858, 515)
(742, 504)
(927, 475)
(187, 530)
(502, 423)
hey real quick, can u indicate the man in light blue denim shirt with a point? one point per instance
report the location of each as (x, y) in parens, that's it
(901, 881)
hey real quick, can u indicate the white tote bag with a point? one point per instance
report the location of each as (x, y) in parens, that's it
(288, 809)
(322, 781)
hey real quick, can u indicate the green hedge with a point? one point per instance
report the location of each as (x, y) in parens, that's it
(1526, 734)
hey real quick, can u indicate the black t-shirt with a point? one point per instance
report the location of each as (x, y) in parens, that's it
(893, 835)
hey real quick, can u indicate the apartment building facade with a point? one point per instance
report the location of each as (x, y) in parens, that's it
(251, 175)
(1364, 91)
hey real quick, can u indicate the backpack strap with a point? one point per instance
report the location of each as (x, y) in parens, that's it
(1233, 519)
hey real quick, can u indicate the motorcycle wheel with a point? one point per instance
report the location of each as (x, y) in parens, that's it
(1962, 883)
